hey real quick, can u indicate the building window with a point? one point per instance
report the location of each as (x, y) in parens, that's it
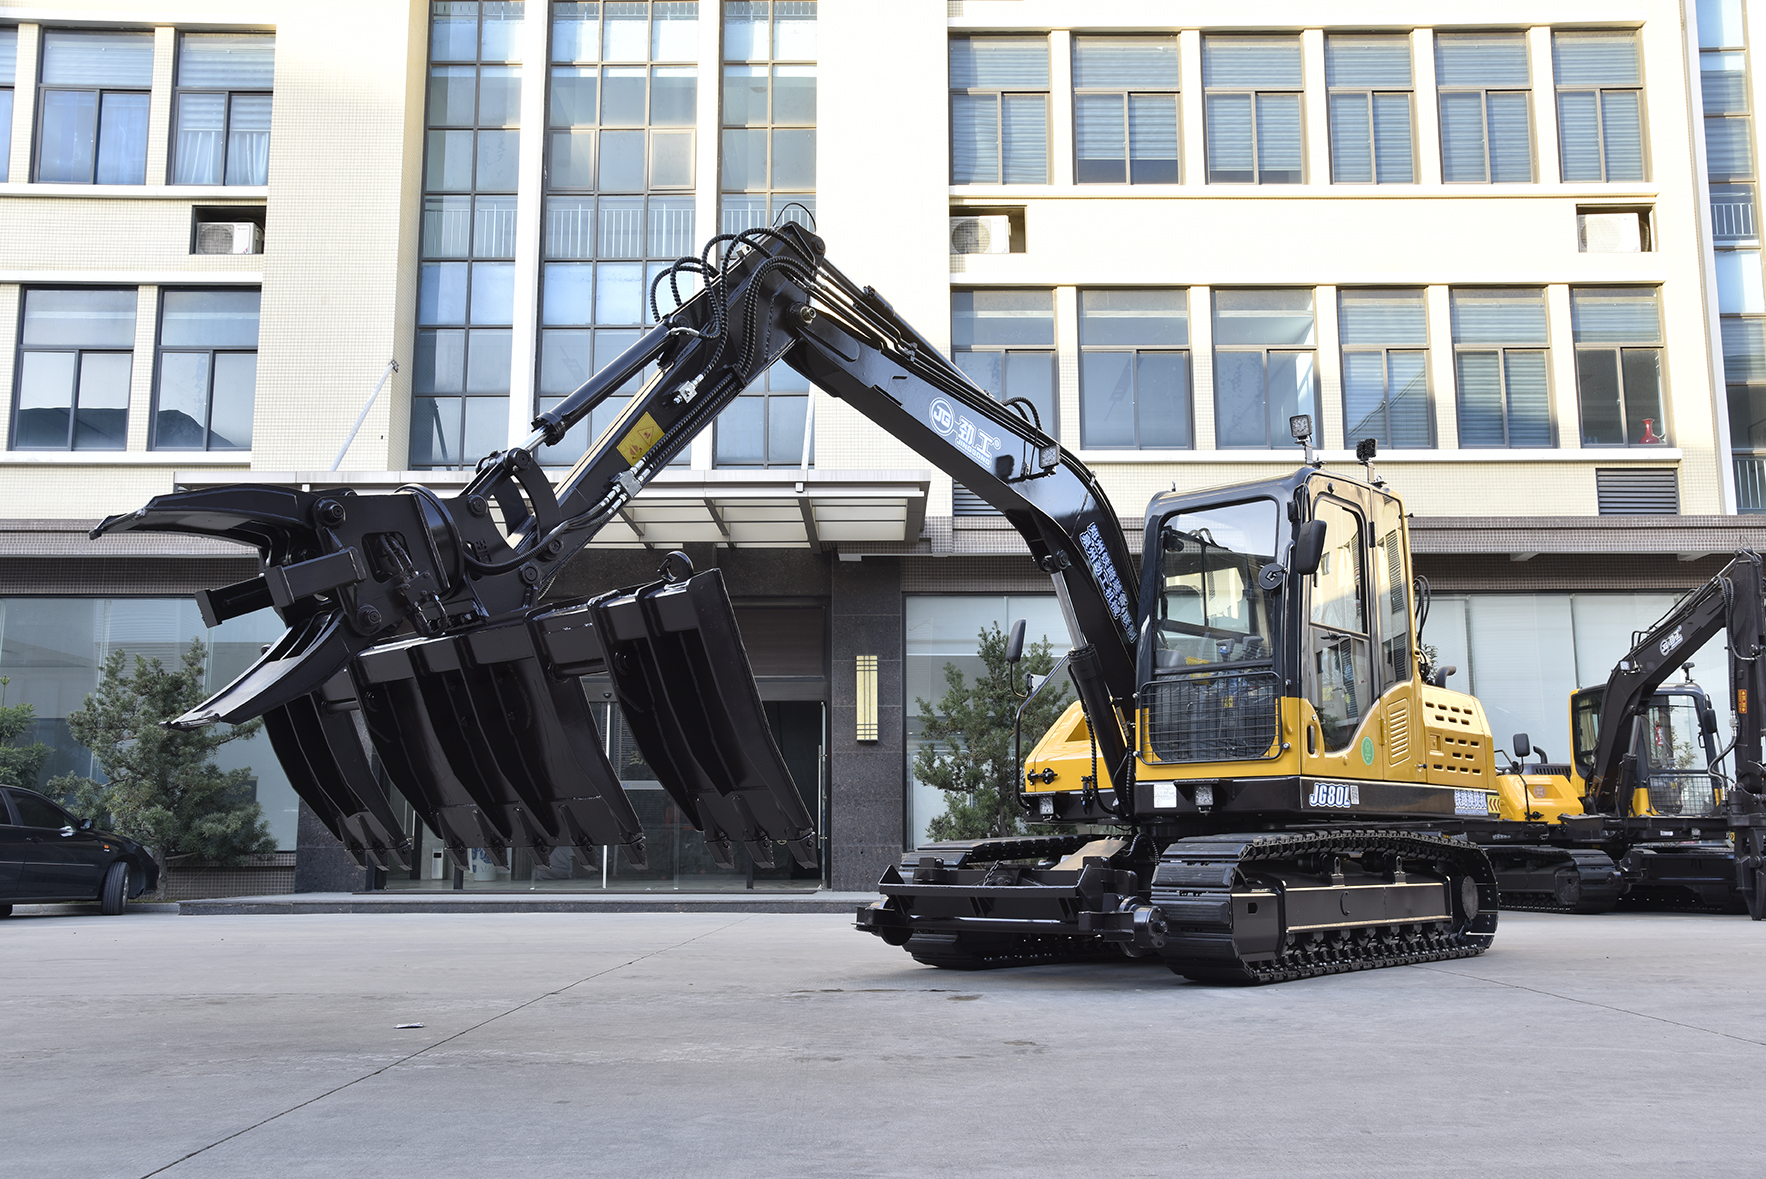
(75, 356)
(92, 108)
(769, 176)
(223, 108)
(208, 370)
(1744, 371)
(623, 97)
(8, 67)
(1263, 365)
(1252, 92)
(466, 279)
(1486, 133)
(1134, 369)
(1125, 110)
(1005, 342)
(1729, 155)
(1618, 336)
(1385, 339)
(999, 110)
(1370, 106)
(1600, 106)
(1499, 364)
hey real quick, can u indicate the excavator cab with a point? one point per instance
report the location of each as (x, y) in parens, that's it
(1673, 749)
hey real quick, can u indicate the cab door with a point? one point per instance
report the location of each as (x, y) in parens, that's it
(1400, 735)
(1338, 652)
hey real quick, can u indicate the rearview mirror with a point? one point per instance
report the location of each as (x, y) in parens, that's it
(1015, 644)
(1309, 543)
(1708, 720)
(1522, 745)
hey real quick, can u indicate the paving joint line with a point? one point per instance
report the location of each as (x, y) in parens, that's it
(439, 1043)
(1691, 1027)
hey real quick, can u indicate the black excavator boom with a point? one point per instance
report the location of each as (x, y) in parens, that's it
(417, 627)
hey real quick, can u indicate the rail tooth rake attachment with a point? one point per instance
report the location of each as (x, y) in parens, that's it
(420, 657)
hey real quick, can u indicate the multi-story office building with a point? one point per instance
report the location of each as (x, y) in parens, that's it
(1517, 245)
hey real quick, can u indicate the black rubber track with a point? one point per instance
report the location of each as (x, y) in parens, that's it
(1195, 879)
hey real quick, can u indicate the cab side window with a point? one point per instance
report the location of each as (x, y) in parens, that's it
(1338, 672)
(1391, 592)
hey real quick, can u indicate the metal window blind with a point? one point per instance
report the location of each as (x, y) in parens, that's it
(1367, 61)
(1251, 61)
(1393, 163)
(1511, 143)
(1024, 138)
(227, 61)
(1723, 81)
(1744, 349)
(1229, 135)
(1278, 136)
(1479, 376)
(1462, 138)
(1599, 59)
(1125, 62)
(1352, 150)
(1579, 135)
(1605, 315)
(1498, 317)
(1152, 127)
(1622, 134)
(1728, 148)
(974, 141)
(1529, 402)
(1381, 317)
(1481, 59)
(1146, 318)
(1098, 130)
(98, 59)
(999, 62)
(8, 55)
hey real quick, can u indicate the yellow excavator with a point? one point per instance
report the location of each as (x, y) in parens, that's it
(1268, 787)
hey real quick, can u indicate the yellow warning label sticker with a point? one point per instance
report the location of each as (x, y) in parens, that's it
(640, 438)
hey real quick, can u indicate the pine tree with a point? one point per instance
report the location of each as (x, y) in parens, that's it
(19, 764)
(163, 786)
(969, 740)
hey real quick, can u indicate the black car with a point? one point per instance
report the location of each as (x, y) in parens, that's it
(48, 856)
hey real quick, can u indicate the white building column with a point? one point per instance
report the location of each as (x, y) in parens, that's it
(1443, 388)
(1315, 104)
(1545, 104)
(1565, 406)
(1328, 425)
(1195, 136)
(1061, 143)
(1428, 122)
(1202, 365)
(24, 104)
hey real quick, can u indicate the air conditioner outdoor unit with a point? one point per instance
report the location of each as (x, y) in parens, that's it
(981, 235)
(229, 237)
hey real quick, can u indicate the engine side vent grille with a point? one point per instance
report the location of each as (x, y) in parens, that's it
(1215, 716)
(1650, 491)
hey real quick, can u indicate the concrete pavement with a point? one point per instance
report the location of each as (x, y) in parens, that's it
(779, 1045)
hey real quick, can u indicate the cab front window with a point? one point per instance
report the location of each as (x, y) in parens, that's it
(1211, 609)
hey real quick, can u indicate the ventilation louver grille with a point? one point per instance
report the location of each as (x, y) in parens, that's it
(966, 503)
(1220, 716)
(1631, 492)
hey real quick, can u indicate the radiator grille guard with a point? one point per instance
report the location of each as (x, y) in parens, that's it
(1690, 794)
(1211, 716)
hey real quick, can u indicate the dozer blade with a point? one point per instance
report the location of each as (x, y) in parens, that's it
(316, 740)
(495, 750)
(683, 681)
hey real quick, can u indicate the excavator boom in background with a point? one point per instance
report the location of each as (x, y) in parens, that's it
(1255, 782)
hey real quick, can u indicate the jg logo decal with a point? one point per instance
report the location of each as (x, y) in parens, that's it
(942, 417)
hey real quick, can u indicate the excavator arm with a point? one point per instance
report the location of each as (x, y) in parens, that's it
(417, 630)
(1732, 603)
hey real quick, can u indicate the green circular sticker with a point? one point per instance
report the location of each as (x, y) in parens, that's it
(1367, 750)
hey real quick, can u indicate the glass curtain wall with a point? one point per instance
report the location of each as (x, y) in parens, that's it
(466, 287)
(622, 100)
(945, 629)
(768, 176)
(52, 650)
(1735, 231)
